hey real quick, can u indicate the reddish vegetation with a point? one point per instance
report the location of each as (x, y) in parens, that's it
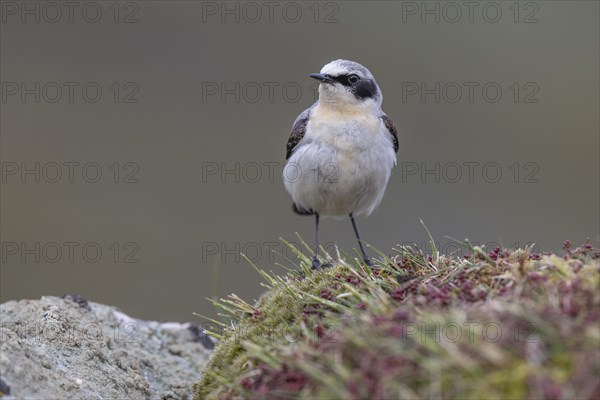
(554, 307)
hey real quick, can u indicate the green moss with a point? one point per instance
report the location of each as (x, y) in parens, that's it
(528, 323)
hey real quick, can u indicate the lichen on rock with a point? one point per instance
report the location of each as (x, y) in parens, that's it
(70, 348)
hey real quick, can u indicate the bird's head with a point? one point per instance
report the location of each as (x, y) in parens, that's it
(345, 83)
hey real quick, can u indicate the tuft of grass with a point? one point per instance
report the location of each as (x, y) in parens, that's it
(502, 324)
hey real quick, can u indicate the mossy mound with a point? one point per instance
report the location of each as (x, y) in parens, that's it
(504, 324)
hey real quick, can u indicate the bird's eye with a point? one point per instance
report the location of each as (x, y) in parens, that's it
(353, 78)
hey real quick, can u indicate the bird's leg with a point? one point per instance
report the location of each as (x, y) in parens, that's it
(316, 264)
(366, 258)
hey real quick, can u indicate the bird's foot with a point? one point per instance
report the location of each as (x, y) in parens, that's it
(317, 265)
(368, 262)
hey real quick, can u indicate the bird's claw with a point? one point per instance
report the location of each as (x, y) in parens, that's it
(317, 265)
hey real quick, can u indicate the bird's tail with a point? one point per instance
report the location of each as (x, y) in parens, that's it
(300, 211)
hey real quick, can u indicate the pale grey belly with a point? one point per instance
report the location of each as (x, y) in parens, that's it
(336, 183)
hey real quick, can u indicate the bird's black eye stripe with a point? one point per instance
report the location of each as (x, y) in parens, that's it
(346, 80)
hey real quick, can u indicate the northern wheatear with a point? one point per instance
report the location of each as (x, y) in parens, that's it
(341, 150)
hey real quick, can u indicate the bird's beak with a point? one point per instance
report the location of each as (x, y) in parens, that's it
(322, 78)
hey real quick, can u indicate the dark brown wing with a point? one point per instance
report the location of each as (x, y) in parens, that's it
(392, 130)
(298, 132)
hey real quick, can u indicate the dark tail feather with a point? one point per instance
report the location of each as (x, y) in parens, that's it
(300, 211)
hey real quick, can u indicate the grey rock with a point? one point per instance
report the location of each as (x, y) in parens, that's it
(69, 348)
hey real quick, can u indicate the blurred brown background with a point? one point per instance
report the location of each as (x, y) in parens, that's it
(185, 96)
